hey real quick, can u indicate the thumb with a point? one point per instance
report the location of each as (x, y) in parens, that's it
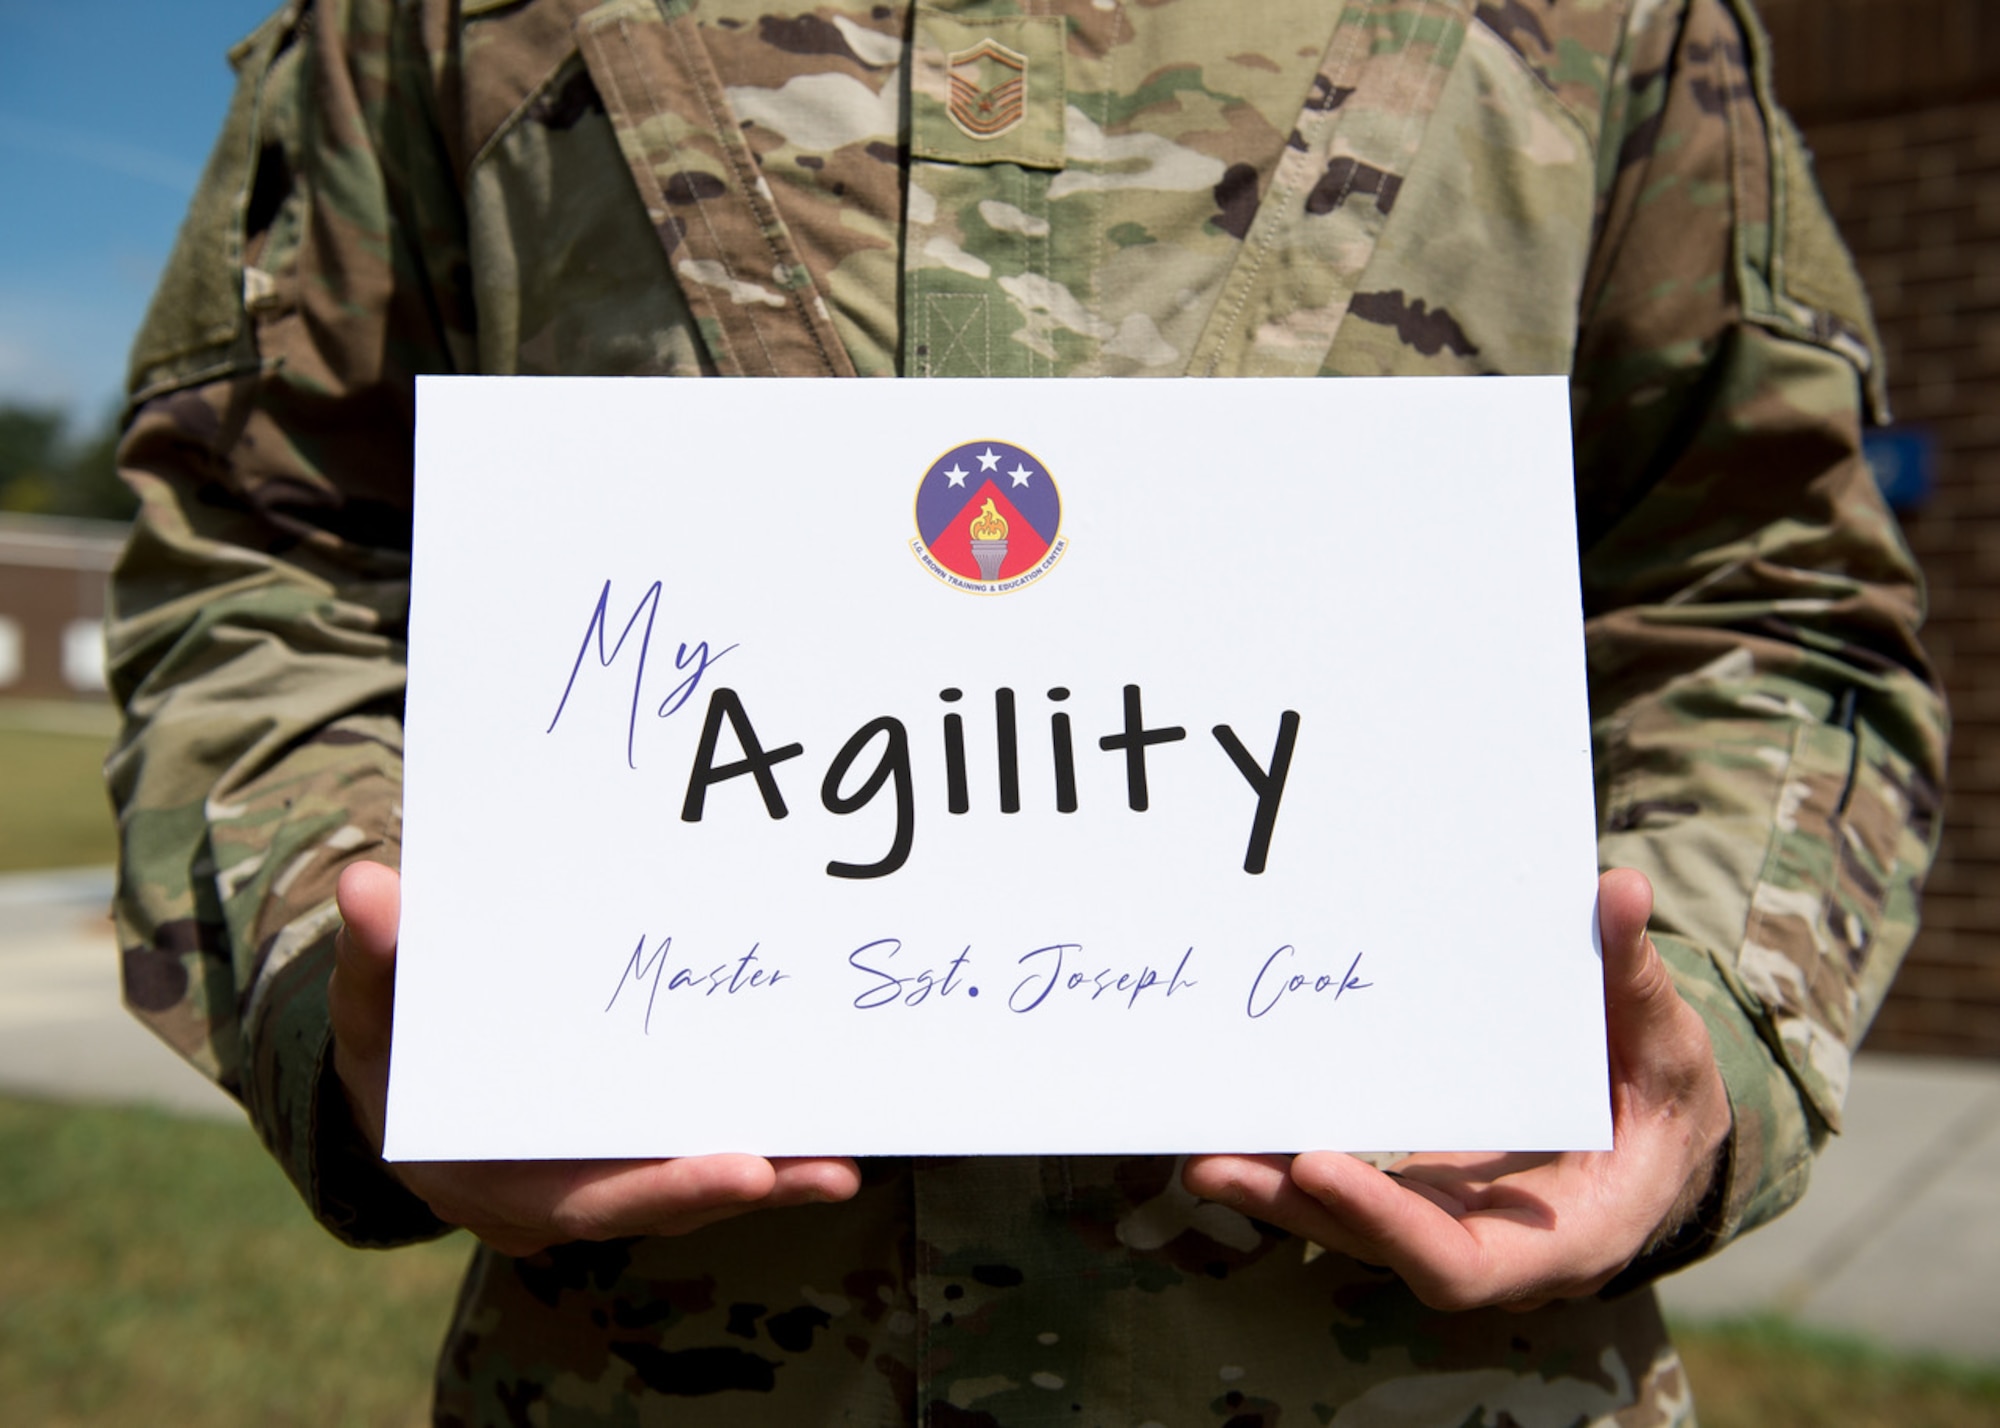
(1670, 1109)
(1640, 999)
(361, 997)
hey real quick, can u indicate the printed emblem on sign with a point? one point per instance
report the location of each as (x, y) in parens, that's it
(989, 89)
(988, 518)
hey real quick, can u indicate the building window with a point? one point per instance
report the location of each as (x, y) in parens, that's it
(83, 656)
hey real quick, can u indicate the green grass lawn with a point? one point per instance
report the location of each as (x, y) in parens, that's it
(1769, 1373)
(160, 1270)
(53, 811)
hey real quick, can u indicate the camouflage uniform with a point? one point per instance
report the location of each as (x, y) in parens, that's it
(1600, 187)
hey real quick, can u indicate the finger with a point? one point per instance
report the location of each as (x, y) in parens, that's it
(1232, 1179)
(1465, 1173)
(519, 1206)
(1262, 1187)
(669, 1197)
(1443, 1189)
(674, 1196)
(1451, 1259)
(816, 1180)
(556, 1202)
(361, 996)
(1640, 999)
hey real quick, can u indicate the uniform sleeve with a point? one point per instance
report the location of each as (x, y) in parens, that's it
(1769, 739)
(258, 613)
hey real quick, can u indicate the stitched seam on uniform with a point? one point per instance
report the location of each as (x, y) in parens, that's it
(937, 307)
(1025, 246)
(1099, 254)
(934, 312)
(1407, 81)
(1035, 259)
(239, 208)
(652, 180)
(1754, 59)
(1283, 186)
(719, 248)
(715, 124)
(1046, 244)
(204, 372)
(1741, 170)
(914, 337)
(227, 332)
(770, 226)
(515, 117)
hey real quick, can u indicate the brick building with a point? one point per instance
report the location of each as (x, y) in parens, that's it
(1900, 102)
(52, 574)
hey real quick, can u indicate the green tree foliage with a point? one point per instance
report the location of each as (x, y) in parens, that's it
(47, 470)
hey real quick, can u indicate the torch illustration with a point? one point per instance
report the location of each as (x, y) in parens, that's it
(989, 540)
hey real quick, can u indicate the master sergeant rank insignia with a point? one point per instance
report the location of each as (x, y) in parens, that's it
(989, 89)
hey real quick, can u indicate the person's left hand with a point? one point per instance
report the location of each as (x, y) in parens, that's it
(1469, 1231)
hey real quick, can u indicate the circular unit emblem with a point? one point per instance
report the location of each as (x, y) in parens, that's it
(989, 518)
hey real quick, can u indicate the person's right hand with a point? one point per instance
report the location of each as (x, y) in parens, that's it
(519, 1207)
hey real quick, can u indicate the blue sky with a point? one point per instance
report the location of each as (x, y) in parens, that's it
(107, 113)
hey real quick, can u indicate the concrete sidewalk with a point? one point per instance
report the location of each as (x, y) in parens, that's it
(1899, 1240)
(1899, 1237)
(63, 1032)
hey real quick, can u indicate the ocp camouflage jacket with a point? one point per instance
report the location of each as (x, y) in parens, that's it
(1601, 188)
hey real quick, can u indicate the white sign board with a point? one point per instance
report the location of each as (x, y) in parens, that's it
(936, 767)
